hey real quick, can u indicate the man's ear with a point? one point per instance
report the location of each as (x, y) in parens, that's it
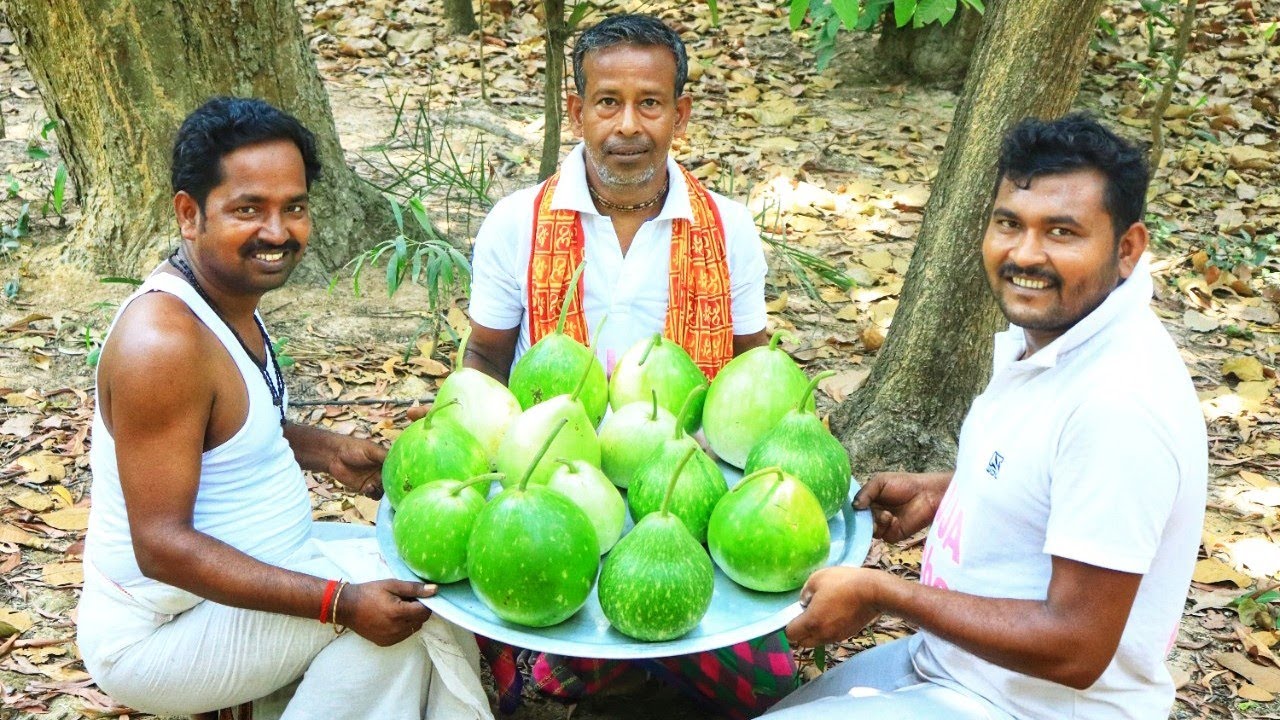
(573, 103)
(1130, 248)
(188, 212)
(684, 108)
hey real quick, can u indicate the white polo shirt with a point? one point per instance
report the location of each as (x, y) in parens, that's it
(632, 289)
(1092, 449)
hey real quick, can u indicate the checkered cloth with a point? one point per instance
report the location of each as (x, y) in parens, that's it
(737, 682)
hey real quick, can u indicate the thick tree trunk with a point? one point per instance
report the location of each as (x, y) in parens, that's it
(460, 16)
(934, 53)
(938, 353)
(553, 89)
(120, 75)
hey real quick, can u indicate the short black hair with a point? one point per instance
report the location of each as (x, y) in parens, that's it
(629, 29)
(1074, 142)
(225, 124)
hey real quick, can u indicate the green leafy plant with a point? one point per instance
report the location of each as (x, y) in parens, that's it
(278, 346)
(1227, 251)
(828, 16)
(421, 254)
(1255, 608)
(418, 164)
(94, 347)
(809, 269)
(1237, 332)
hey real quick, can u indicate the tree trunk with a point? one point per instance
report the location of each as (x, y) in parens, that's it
(934, 53)
(937, 356)
(553, 89)
(120, 75)
(460, 16)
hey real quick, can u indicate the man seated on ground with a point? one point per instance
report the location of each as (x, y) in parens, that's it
(1063, 543)
(206, 583)
(645, 228)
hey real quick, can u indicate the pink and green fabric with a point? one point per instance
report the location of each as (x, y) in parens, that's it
(736, 682)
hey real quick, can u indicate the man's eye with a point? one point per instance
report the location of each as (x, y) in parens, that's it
(649, 102)
(246, 211)
(297, 209)
(1006, 223)
(1061, 232)
(608, 102)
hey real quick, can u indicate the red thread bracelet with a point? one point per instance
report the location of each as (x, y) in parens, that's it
(325, 610)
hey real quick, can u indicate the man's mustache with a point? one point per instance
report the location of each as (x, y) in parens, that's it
(289, 245)
(1011, 269)
(628, 147)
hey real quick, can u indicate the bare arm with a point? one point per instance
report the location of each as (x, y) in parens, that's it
(1068, 638)
(902, 504)
(354, 462)
(491, 351)
(743, 343)
(159, 430)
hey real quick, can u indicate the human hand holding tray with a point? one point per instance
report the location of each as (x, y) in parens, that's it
(736, 613)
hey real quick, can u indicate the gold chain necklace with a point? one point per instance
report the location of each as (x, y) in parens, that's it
(630, 208)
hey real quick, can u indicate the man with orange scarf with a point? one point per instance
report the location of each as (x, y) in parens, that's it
(661, 253)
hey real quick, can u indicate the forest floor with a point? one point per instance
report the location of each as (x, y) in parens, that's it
(837, 163)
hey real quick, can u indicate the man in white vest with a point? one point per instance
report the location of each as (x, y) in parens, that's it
(1061, 546)
(207, 585)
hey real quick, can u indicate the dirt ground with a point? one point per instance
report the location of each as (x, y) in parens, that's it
(835, 165)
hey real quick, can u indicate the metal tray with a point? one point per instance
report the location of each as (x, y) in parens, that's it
(736, 613)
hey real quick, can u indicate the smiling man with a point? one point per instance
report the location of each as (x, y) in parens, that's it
(660, 253)
(1061, 547)
(206, 583)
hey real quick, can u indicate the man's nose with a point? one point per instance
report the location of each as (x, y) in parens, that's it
(1028, 251)
(630, 121)
(272, 229)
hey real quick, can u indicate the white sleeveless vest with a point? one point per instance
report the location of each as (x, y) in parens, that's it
(252, 494)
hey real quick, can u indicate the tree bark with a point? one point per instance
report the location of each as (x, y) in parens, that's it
(460, 16)
(937, 356)
(553, 89)
(934, 53)
(120, 75)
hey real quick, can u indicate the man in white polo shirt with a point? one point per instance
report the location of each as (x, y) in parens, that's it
(1061, 547)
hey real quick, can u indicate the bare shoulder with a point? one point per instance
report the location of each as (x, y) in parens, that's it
(156, 341)
(156, 329)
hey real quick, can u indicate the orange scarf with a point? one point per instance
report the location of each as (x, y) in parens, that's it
(699, 308)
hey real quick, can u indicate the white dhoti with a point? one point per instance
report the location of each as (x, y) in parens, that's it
(214, 656)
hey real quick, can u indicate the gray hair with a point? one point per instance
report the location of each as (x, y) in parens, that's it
(629, 29)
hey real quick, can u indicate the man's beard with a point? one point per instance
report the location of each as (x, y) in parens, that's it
(610, 178)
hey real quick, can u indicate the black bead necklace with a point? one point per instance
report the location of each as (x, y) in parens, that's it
(276, 388)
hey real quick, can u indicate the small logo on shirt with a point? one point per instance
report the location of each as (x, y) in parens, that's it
(993, 465)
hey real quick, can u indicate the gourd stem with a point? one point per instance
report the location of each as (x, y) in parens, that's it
(693, 395)
(443, 405)
(671, 486)
(568, 464)
(568, 297)
(462, 349)
(486, 478)
(813, 385)
(771, 470)
(586, 373)
(777, 338)
(546, 445)
(595, 334)
(657, 340)
(654, 416)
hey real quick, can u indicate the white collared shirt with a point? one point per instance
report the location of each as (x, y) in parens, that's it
(1092, 449)
(632, 289)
